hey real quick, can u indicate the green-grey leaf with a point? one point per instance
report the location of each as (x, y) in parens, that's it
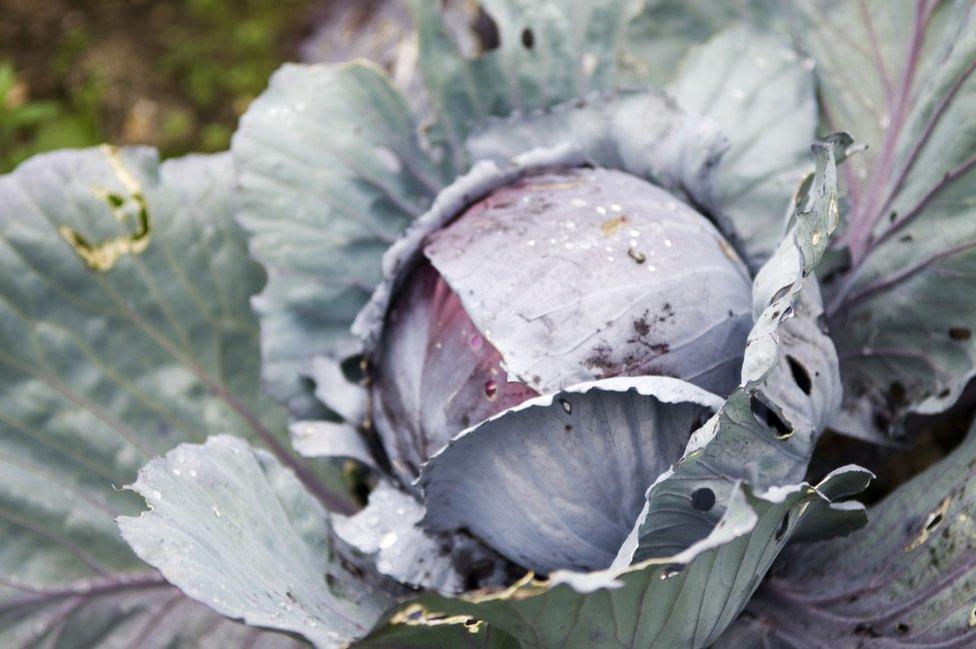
(100, 370)
(902, 79)
(345, 398)
(234, 529)
(907, 579)
(549, 51)
(761, 94)
(330, 171)
(681, 601)
(661, 32)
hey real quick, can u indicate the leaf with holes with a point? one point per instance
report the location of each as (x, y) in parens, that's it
(105, 365)
(548, 52)
(765, 431)
(907, 579)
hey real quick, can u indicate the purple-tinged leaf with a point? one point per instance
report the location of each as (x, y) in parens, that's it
(902, 77)
(435, 374)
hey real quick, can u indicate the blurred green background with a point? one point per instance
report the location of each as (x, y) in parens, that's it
(176, 74)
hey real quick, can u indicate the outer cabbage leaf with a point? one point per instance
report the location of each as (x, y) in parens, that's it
(102, 369)
(141, 610)
(907, 579)
(760, 92)
(548, 52)
(234, 529)
(329, 439)
(901, 77)
(685, 600)
(347, 399)
(330, 171)
(865, 63)
(660, 33)
(381, 32)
